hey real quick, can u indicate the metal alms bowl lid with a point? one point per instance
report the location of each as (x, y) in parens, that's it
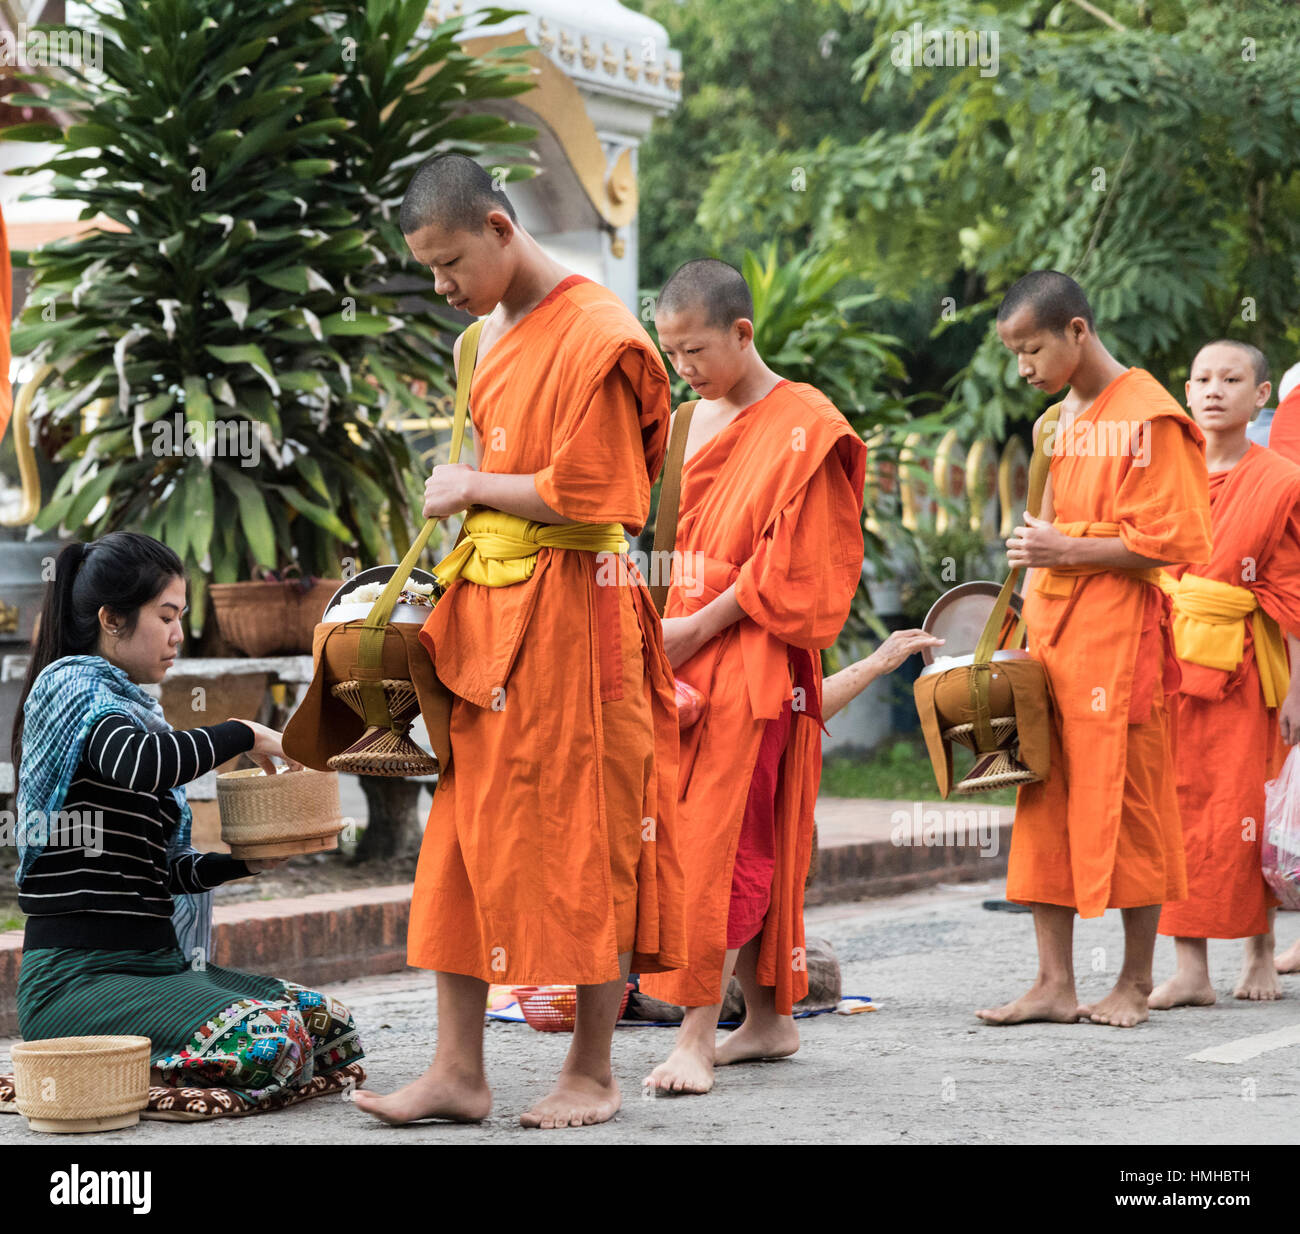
(958, 617)
(338, 609)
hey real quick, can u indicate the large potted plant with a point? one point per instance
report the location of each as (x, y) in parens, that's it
(219, 368)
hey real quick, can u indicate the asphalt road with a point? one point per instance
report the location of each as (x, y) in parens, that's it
(921, 1069)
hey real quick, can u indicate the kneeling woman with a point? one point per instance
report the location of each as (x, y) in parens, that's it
(100, 954)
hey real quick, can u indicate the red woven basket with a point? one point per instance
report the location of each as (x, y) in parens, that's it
(554, 1008)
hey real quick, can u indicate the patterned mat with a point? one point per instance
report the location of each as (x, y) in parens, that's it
(196, 1104)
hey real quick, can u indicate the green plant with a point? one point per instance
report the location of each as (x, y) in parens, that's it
(900, 771)
(931, 563)
(244, 326)
(1149, 148)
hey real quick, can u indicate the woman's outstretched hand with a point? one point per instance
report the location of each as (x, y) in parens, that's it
(898, 646)
(266, 747)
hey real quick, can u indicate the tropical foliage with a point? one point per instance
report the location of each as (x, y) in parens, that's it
(1150, 148)
(222, 361)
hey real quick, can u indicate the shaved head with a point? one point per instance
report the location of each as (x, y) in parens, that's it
(1255, 359)
(1055, 299)
(452, 192)
(712, 287)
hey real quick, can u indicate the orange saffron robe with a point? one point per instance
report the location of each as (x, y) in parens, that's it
(1284, 432)
(549, 845)
(1103, 830)
(772, 503)
(1228, 743)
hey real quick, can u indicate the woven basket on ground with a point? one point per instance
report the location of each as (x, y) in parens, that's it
(78, 1084)
(279, 816)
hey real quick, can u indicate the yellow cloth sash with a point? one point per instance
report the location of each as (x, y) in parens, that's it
(1059, 580)
(1210, 630)
(500, 549)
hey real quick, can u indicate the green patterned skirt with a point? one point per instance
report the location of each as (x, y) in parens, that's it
(210, 1026)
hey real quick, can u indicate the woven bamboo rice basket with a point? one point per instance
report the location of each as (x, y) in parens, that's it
(997, 765)
(279, 816)
(79, 1084)
(384, 751)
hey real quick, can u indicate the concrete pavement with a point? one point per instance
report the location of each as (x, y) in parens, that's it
(921, 1069)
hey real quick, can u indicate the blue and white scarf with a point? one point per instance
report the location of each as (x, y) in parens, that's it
(67, 699)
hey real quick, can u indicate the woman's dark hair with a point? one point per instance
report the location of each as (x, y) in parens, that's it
(120, 571)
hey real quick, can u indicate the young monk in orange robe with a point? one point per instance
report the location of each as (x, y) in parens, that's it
(1127, 493)
(548, 855)
(1284, 432)
(770, 539)
(1234, 692)
(1284, 439)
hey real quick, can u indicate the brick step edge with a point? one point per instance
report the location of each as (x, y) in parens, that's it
(882, 868)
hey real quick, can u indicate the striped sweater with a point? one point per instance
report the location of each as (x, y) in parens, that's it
(104, 879)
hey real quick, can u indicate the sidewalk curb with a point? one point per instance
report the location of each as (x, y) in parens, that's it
(881, 868)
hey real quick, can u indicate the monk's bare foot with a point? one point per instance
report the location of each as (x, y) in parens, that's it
(575, 1101)
(1124, 1007)
(773, 1039)
(1182, 990)
(1258, 981)
(1057, 1004)
(1289, 960)
(433, 1095)
(688, 1069)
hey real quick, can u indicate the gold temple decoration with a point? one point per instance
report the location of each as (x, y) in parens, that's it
(982, 485)
(1013, 485)
(557, 103)
(30, 477)
(949, 479)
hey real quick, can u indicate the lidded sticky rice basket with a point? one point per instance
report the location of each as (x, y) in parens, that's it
(79, 1084)
(294, 812)
(372, 679)
(993, 700)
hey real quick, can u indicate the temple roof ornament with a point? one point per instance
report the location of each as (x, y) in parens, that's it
(603, 46)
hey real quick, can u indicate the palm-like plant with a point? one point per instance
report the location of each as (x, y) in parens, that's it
(253, 156)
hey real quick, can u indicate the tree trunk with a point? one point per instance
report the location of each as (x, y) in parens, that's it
(392, 818)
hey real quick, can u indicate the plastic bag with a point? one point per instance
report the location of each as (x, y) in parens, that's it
(1282, 832)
